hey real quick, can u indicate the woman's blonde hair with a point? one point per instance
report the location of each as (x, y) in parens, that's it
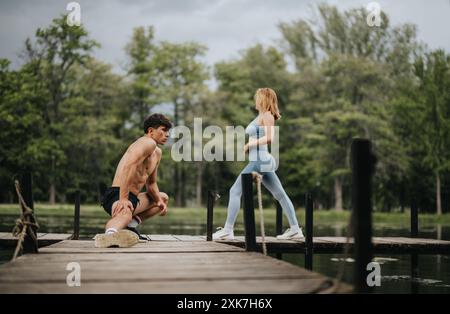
(267, 100)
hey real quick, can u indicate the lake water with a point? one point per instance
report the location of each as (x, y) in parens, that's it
(434, 270)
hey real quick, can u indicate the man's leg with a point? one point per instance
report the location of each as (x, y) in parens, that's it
(115, 235)
(120, 218)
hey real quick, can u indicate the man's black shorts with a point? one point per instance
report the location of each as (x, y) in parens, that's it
(112, 194)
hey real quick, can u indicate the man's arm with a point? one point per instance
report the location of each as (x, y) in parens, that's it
(151, 185)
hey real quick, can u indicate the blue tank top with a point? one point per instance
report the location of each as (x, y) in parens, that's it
(255, 131)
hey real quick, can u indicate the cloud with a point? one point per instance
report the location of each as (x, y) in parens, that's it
(224, 26)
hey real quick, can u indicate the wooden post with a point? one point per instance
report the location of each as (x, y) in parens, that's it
(414, 256)
(279, 219)
(309, 231)
(26, 189)
(362, 170)
(414, 219)
(249, 212)
(279, 224)
(30, 244)
(76, 217)
(209, 215)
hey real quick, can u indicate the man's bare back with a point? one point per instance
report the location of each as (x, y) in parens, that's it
(145, 169)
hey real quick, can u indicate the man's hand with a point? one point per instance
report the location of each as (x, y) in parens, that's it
(123, 205)
(162, 206)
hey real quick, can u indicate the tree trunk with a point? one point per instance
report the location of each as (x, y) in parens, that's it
(438, 195)
(176, 173)
(176, 185)
(99, 193)
(338, 194)
(198, 185)
(52, 190)
(52, 194)
(62, 198)
(183, 186)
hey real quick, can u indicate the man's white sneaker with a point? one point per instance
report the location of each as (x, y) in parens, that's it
(223, 234)
(291, 234)
(121, 238)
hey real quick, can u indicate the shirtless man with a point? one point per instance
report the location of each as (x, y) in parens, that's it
(124, 201)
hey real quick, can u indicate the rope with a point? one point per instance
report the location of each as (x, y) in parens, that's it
(26, 222)
(258, 178)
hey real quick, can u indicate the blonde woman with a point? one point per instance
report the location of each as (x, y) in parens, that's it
(261, 131)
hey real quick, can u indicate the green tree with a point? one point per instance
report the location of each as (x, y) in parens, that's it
(93, 114)
(55, 51)
(181, 79)
(342, 89)
(142, 72)
(23, 146)
(433, 114)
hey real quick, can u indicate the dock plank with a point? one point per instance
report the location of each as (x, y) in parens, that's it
(86, 246)
(162, 237)
(400, 245)
(44, 239)
(240, 286)
(188, 238)
(164, 266)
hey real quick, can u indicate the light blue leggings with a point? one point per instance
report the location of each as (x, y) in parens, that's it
(271, 181)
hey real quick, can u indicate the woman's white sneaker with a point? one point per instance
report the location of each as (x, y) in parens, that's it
(223, 234)
(290, 234)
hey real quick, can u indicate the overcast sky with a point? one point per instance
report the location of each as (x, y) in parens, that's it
(224, 26)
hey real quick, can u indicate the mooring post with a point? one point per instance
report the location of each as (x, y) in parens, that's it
(279, 224)
(26, 189)
(414, 219)
(279, 218)
(363, 163)
(309, 231)
(209, 215)
(249, 212)
(414, 256)
(76, 217)
(30, 244)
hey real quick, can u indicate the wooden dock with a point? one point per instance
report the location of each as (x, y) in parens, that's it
(44, 239)
(183, 264)
(381, 245)
(167, 264)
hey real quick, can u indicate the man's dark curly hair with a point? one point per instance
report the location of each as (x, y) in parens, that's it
(156, 120)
